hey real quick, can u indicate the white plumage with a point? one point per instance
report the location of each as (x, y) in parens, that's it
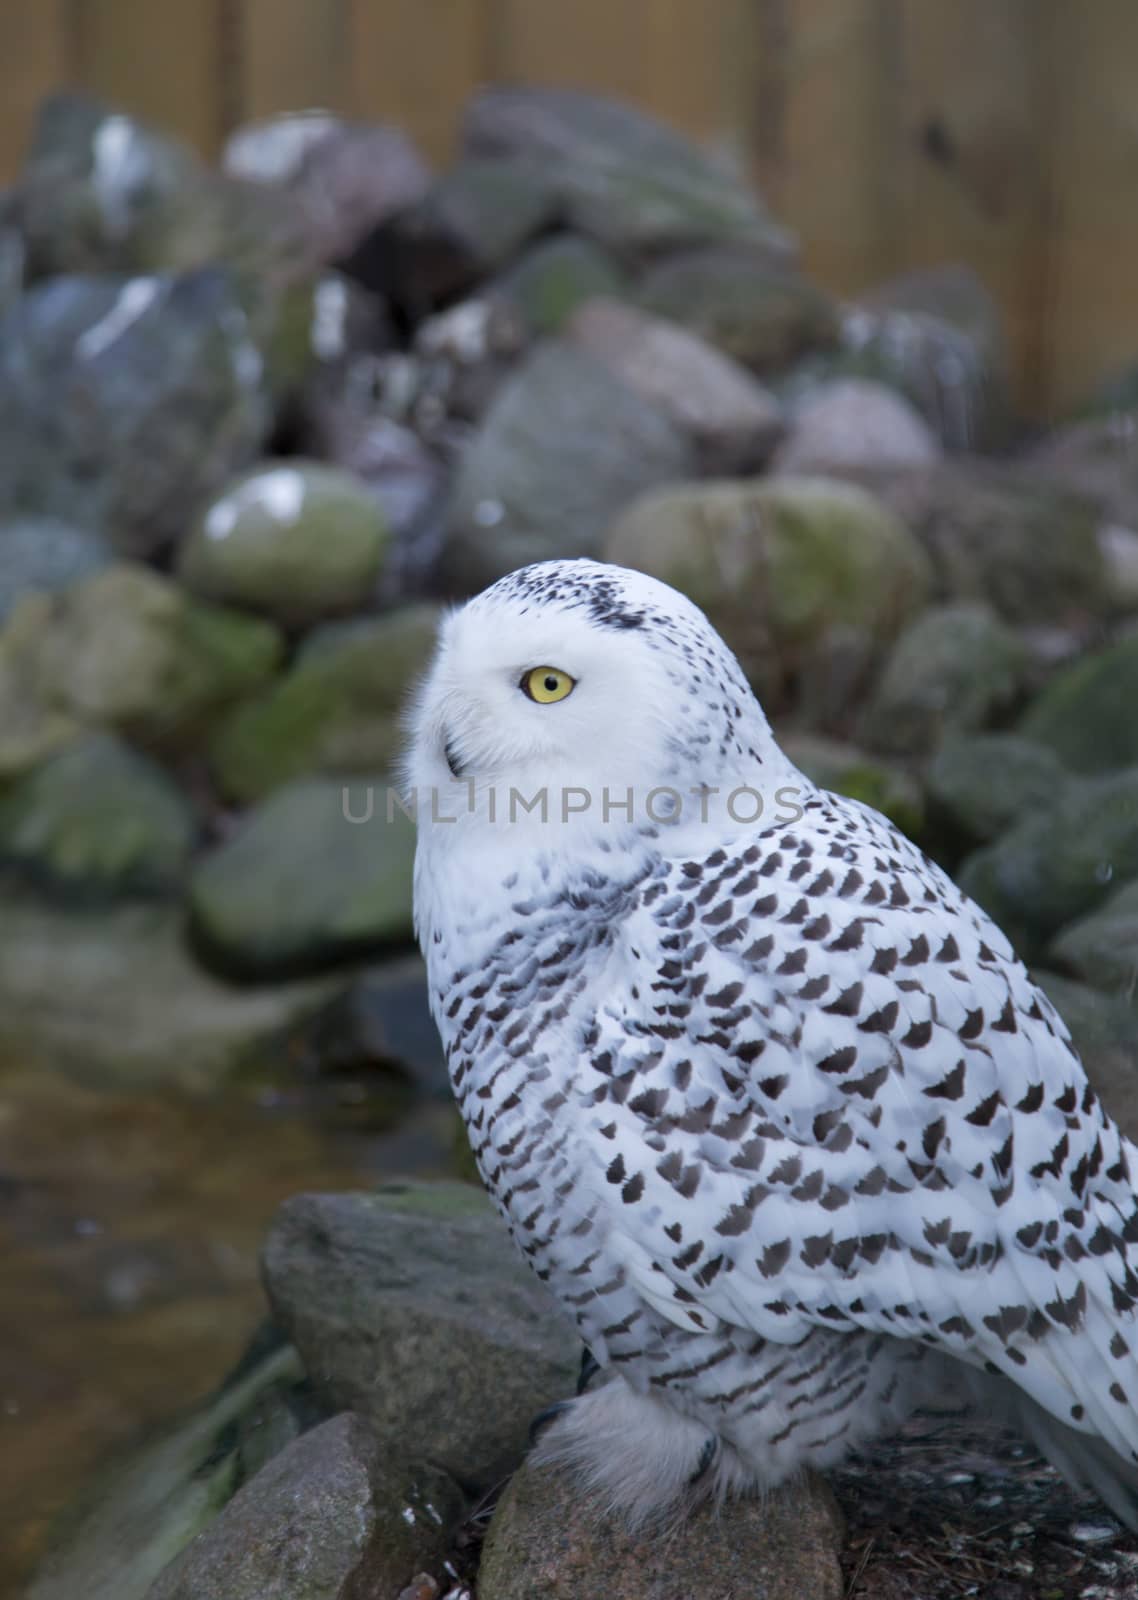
(768, 1102)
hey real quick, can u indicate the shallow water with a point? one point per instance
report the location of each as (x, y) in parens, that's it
(129, 1234)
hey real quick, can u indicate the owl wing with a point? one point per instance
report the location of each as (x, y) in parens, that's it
(825, 1092)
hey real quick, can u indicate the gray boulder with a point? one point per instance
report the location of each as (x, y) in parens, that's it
(295, 539)
(547, 1539)
(1088, 713)
(98, 820)
(622, 177)
(1060, 863)
(114, 999)
(125, 403)
(468, 225)
(319, 872)
(336, 711)
(45, 554)
(1102, 949)
(998, 536)
(732, 420)
(341, 180)
(955, 669)
(850, 424)
(564, 447)
(411, 1306)
(983, 783)
(332, 1517)
(761, 313)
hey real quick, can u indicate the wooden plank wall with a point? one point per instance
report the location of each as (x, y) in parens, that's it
(889, 133)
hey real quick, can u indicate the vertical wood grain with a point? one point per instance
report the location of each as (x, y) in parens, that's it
(35, 58)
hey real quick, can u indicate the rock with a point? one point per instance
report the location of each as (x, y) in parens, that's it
(129, 650)
(760, 313)
(295, 539)
(547, 1539)
(113, 998)
(936, 336)
(273, 149)
(1061, 863)
(983, 783)
(563, 448)
(1119, 548)
(732, 420)
(1102, 949)
(13, 260)
(557, 276)
(851, 423)
(45, 554)
(1096, 457)
(345, 426)
(319, 872)
(955, 669)
(137, 1517)
(463, 356)
(98, 820)
(327, 1519)
(1088, 713)
(32, 724)
(470, 223)
(342, 180)
(1105, 1031)
(999, 537)
(779, 565)
(623, 178)
(410, 1306)
(844, 769)
(382, 1020)
(336, 711)
(125, 403)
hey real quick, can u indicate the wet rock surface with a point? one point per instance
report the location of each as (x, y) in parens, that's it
(547, 1538)
(411, 1307)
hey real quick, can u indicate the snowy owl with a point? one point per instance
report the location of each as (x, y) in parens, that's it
(771, 1107)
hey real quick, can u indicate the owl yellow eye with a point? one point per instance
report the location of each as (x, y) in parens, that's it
(547, 685)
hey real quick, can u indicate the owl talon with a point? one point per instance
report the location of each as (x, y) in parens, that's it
(545, 1417)
(590, 1366)
(706, 1456)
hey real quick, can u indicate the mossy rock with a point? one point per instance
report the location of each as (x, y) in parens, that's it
(99, 821)
(1088, 714)
(336, 711)
(983, 783)
(296, 539)
(319, 873)
(779, 565)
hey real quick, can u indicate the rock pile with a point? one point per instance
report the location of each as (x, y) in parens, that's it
(256, 425)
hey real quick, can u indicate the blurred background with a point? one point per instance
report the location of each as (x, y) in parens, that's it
(316, 314)
(888, 134)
